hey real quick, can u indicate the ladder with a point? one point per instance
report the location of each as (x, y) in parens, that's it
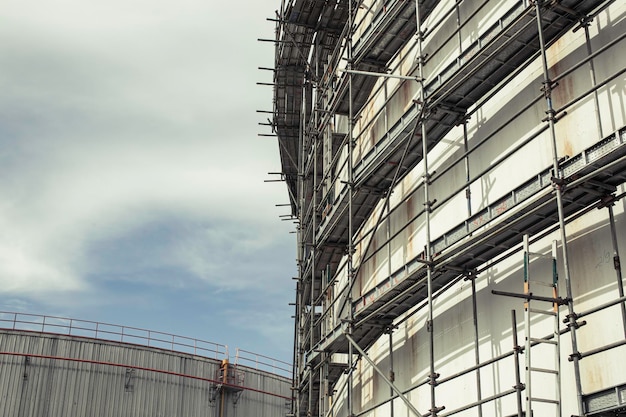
(548, 294)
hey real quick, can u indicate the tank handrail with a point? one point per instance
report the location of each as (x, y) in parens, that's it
(10, 320)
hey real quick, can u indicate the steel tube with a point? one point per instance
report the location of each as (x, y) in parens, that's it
(384, 378)
(582, 355)
(559, 200)
(391, 372)
(427, 253)
(516, 350)
(617, 265)
(478, 403)
(350, 266)
(380, 74)
(476, 344)
(600, 307)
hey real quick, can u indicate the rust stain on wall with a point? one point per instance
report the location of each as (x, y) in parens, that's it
(563, 92)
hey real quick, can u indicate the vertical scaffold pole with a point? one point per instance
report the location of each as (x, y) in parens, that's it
(350, 266)
(468, 190)
(307, 255)
(556, 330)
(617, 265)
(527, 337)
(427, 251)
(516, 348)
(572, 324)
(585, 22)
(295, 372)
(472, 276)
(313, 139)
(472, 279)
(303, 253)
(392, 374)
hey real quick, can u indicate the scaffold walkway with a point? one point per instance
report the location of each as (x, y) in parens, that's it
(489, 61)
(529, 209)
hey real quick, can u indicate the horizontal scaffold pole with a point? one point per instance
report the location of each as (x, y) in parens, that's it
(381, 74)
(560, 301)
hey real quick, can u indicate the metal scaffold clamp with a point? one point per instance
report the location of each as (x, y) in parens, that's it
(607, 201)
(434, 411)
(548, 86)
(429, 326)
(585, 21)
(559, 183)
(470, 275)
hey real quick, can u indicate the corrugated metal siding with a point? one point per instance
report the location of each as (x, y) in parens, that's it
(45, 387)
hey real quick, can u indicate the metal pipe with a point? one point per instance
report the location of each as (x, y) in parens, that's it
(468, 190)
(392, 375)
(476, 343)
(581, 355)
(303, 252)
(599, 308)
(528, 296)
(351, 122)
(559, 197)
(380, 74)
(307, 344)
(478, 403)
(294, 370)
(527, 336)
(617, 265)
(592, 74)
(384, 378)
(556, 331)
(516, 349)
(427, 204)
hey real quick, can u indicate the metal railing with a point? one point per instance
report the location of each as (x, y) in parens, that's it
(261, 362)
(144, 337)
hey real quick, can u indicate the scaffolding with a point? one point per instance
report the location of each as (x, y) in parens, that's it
(350, 166)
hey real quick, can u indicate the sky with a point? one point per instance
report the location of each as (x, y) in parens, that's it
(132, 176)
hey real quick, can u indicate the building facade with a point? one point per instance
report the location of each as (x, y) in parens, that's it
(456, 169)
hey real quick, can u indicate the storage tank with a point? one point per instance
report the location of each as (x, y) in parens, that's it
(55, 366)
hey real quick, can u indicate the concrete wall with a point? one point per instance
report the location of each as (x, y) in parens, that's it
(117, 380)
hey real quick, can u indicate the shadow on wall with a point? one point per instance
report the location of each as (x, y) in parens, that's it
(589, 242)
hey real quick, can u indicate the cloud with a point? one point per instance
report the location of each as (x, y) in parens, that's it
(131, 170)
(116, 114)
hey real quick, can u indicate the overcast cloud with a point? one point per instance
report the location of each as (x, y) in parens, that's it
(131, 174)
